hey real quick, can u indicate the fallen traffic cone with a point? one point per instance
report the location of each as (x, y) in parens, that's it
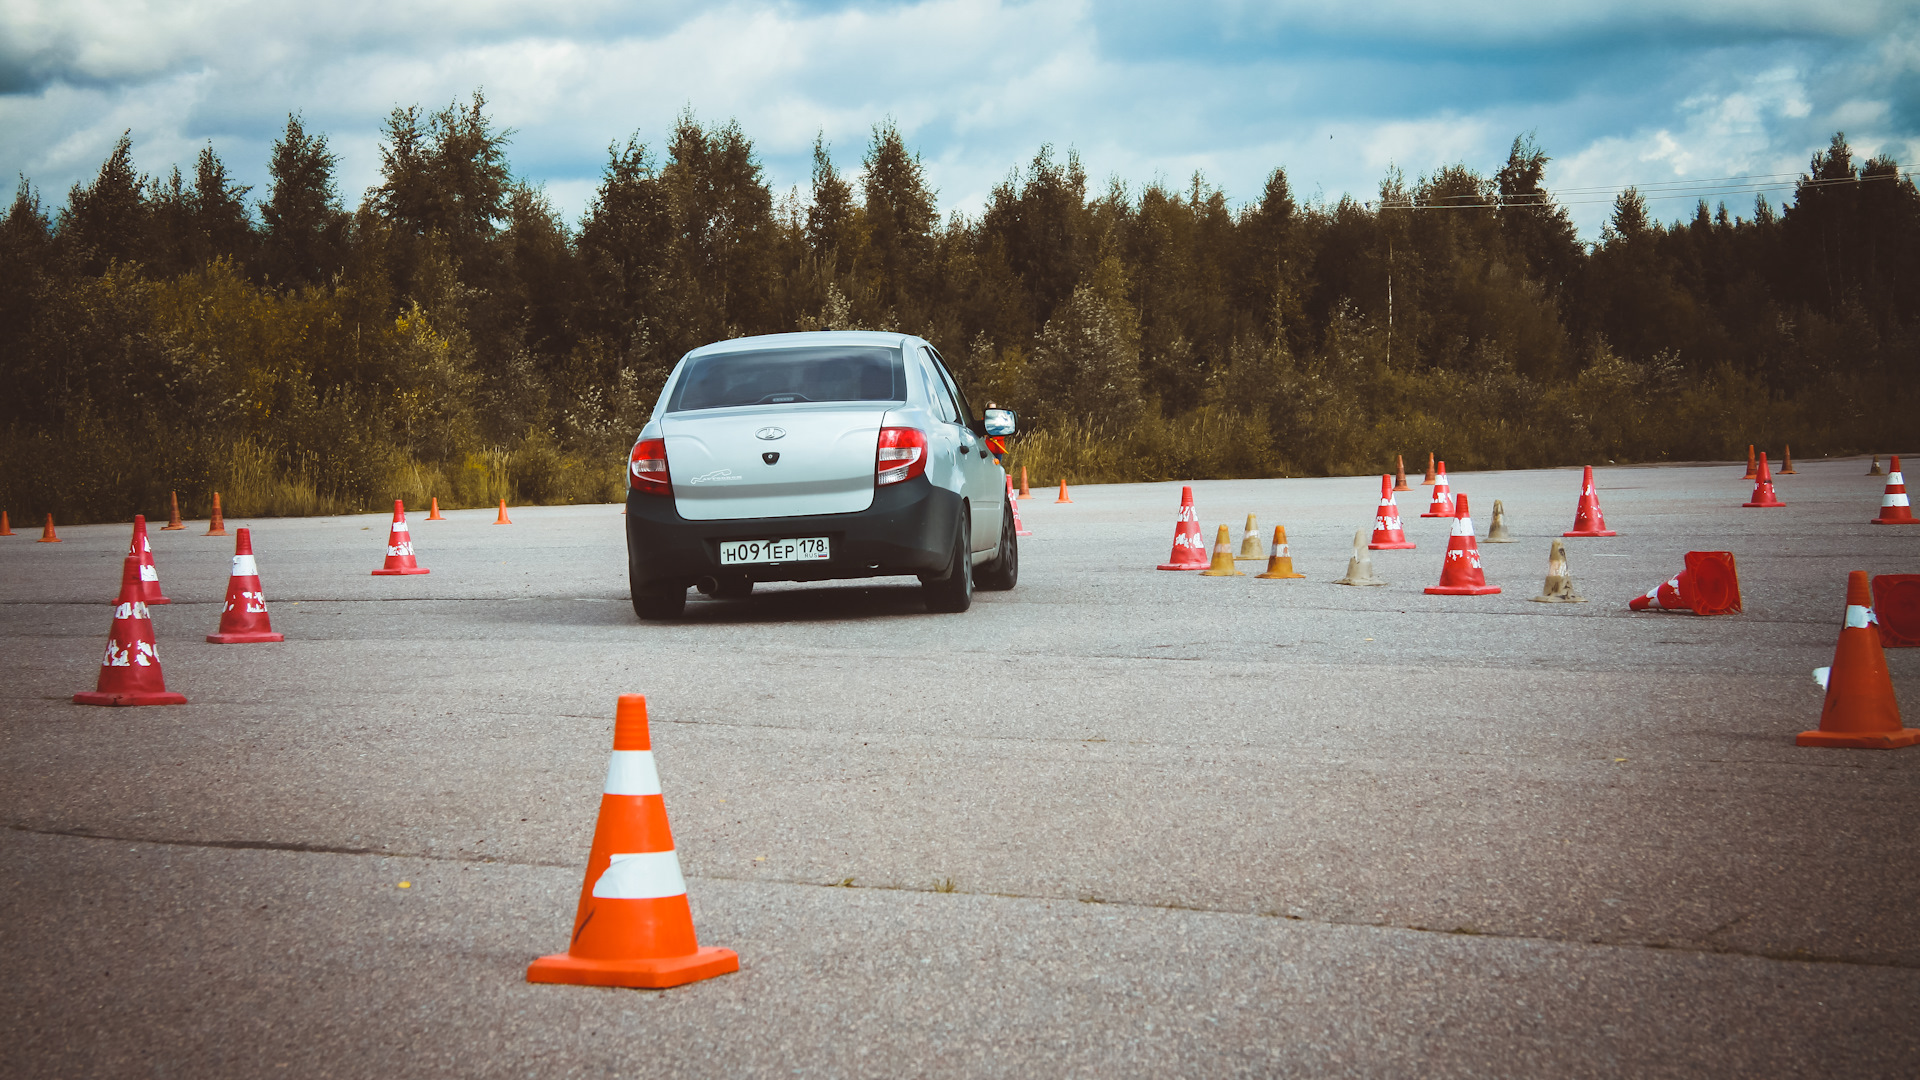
(1280, 563)
(1763, 495)
(433, 512)
(1460, 573)
(1875, 471)
(140, 549)
(1894, 509)
(1189, 551)
(1024, 493)
(1751, 473)
(1428, 482)
(130, 671)
(1222, 565)
(1860, 710)
(633, 926)
(1400, 473)
(6, 527)
(1388, 533)
(1559, 586)
(1250, 549)
(1896, 610)
(174, 524)
(1360, 566)
(1587, 518)
(217, 524)
(1497, 531)
(400, 547)
(47, 535)
(1442, 504)
(1710, 585)
(244, 620)
(1063, 494)
(1019, 527)
(503, 519)
(1786, 461)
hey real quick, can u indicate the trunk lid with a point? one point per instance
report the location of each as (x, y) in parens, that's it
(715, 458)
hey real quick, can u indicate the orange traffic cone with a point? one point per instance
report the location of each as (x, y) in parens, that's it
(1786, 461)
(1860, 710)
(1400, 473)
(244, 620)
(6, 527)
(1460, 574)
(1442, 504)
(174, 524)
(1222, 565)
(149, 573)
(1189, 551)
(1428, 482)
(1024, 493)
(1763, 487)
(1388, 534)
(433, 512)
(1875, 471)
(633, 926)
(47, 535)
(400, 547)
(1752, 474)
(1587, 518)
(1710, 585)
(1013, 500)
(217, 524)
(130, 671)
(1280, 563)
(1063, 494)
(1894, 509)
(1896, 609)
(503, 519)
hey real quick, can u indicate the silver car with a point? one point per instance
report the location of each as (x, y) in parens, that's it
(810, 457)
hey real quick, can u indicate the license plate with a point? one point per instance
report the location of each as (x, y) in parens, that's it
(804, 549)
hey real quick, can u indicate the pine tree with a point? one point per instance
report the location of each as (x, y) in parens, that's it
(106, 220)
(303, 234)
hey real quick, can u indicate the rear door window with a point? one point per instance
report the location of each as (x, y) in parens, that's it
(790, 376)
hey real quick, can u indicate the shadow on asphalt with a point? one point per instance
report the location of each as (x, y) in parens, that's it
(814, 603)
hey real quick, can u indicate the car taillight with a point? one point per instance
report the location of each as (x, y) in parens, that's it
(647, 468)
(903, 455)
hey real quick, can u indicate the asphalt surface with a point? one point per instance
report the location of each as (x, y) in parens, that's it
(1114, 822)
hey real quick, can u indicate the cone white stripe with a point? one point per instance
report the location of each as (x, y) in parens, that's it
(243, 566)
(149, 572)
(631, 772)
(1858, 618)
(1893, 499)
(646, 875)
(399, 526)
(1820, 675)
(1896, 480)
(1463, 526)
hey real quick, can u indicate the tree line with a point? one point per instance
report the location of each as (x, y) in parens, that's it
(452, 335)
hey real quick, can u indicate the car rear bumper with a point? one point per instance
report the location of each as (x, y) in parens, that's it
(909, 529)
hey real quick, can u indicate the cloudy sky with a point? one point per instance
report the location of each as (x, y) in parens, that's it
(1648, 92)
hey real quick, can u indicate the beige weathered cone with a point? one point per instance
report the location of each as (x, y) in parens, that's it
(1875, 471)
(1360, 567)
(1559, 586)
(1250, 546)
(1497, 532)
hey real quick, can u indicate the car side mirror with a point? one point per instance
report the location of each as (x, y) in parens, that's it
(1001, 421)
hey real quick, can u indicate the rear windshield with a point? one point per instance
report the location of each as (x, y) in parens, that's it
(785, 376)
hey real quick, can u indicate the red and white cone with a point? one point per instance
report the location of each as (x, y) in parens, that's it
(130, 671)
(1013, 500)
(1460, 574)
(1710, 585)
(1442, 504)
(1860, 710)
(1587, 518)
(1388, 534)
(1189, 548)
(244, 620)
(140, 549)
(1893, 505)
(400, 547)
(1763, 487)
(633, 926)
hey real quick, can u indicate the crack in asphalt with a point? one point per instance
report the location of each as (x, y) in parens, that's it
(1795, 957)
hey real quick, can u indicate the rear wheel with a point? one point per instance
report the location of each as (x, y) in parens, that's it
(953, 592)
(1003, 571)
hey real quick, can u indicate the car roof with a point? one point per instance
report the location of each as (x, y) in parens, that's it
(810, 338)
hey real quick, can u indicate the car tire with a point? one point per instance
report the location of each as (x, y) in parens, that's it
(952, 592)
(1002, 572)
(658, 604)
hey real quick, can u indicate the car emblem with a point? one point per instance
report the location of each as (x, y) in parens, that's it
(770, 457)
(770, 434)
